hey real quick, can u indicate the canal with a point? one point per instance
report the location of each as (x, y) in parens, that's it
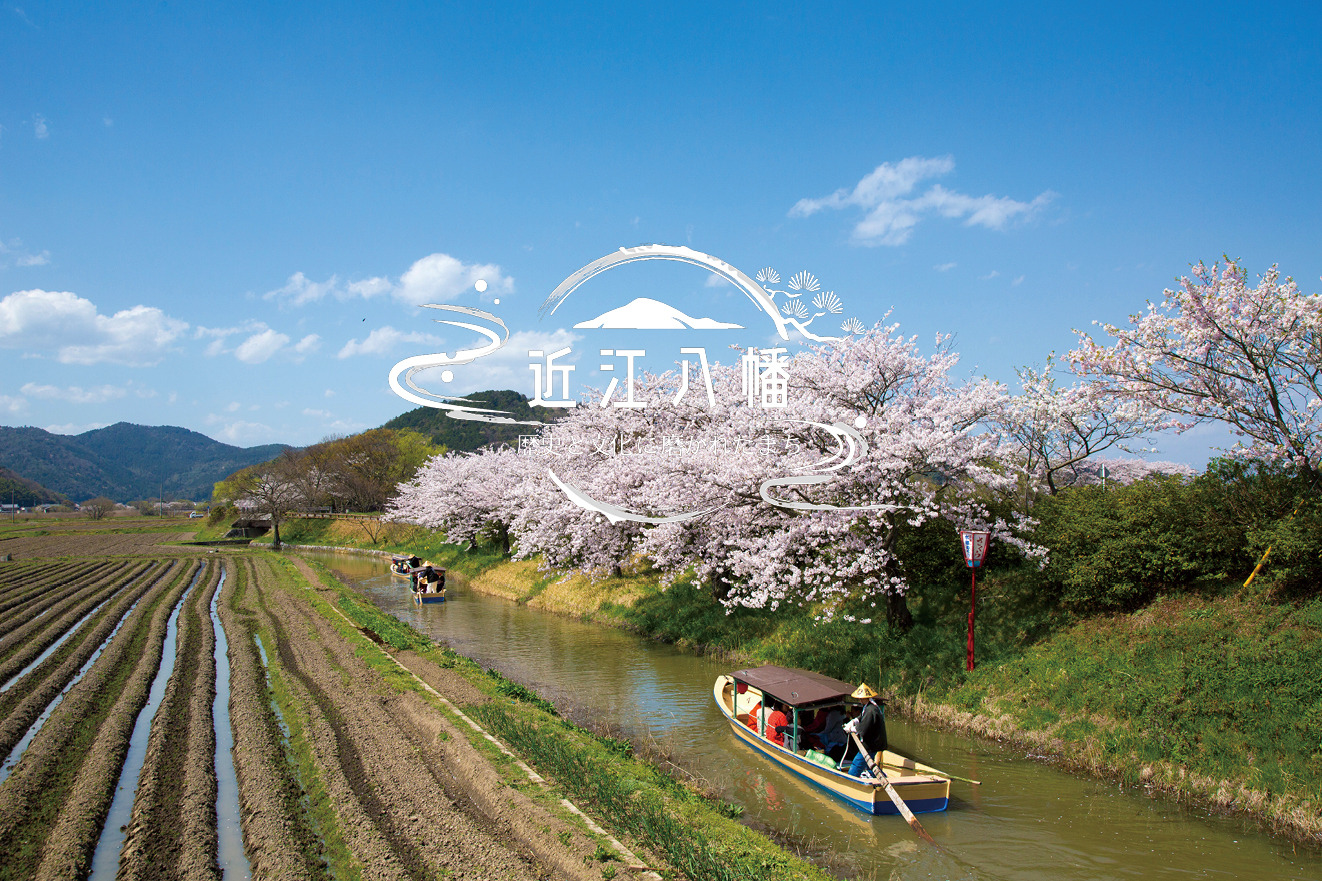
(1027, 821)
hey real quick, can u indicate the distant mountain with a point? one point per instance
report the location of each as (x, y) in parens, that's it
(26, 493)
(463, 435)
(644, 313)
(126, 462)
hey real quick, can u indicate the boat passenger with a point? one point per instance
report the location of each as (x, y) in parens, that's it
(777, 723)
(414, 561)
(832, 733)
(871, 729)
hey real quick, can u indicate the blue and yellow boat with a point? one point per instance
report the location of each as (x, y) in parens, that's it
(742, 698)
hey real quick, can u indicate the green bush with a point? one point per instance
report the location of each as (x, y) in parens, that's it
(1114, 549)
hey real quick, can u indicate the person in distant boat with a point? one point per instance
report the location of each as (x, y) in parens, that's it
(871, 729)
(414, 561)
(777, 723)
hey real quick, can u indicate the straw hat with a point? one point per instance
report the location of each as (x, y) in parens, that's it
(863, 692)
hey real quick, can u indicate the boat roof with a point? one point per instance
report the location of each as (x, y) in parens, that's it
(794, 687)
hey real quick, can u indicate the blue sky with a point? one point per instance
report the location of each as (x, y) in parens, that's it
(224, 218)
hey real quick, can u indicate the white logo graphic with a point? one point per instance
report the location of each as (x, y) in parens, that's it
(766, 378)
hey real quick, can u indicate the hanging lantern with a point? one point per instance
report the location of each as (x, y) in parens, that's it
(975, 546)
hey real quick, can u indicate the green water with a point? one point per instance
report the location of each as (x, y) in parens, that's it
(1026, 822)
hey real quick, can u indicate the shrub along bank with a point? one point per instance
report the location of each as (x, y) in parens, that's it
(1207, 692)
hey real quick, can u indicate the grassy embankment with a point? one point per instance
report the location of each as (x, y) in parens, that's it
(1211, 696)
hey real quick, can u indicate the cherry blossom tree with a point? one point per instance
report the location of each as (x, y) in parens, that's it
(1216, 349)
(1053, 429)
(737, 495)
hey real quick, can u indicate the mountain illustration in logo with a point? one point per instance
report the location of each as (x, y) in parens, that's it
(644, 313)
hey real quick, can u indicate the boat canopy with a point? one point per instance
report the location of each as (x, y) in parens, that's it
(795, 687)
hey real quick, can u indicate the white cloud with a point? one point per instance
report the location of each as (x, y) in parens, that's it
(386, 340)
(242, 433)
(40, 127)
(892, 211)
(715, 281)
(261, 342)
(436, 278)
(13, 405)
(260, 346)
(74, 428)
(989, 276)
(70, 325)
(945, 267)
(14, 250)
(323, 414)
(1018, 281)
(300, 290)
(440, 278)
(75, 394)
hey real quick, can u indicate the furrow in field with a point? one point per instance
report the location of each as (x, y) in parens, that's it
(384, 773)
(277, 837)
(52, 805)
(41, 578)
(172, 830)
(77, 827)
(24, 702)
(56, 597)
(23, 645)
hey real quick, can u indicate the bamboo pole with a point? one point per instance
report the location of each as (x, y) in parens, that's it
(890, 791)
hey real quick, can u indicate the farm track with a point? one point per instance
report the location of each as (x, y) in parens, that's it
(25, 642)
(52, 597)
(53, 805)
(172, 832)
(26, 699)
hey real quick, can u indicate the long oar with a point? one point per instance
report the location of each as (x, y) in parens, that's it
(935, 771)
(881, 778)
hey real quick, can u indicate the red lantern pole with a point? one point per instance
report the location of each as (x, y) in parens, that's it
(973, 599)
(975, 552)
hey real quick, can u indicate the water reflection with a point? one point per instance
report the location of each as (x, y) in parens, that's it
(1027, 822)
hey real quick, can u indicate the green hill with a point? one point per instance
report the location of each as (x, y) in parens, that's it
(126, 462)
(26, 493)
(466, 436)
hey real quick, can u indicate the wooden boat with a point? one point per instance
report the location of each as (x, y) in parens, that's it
(740, 696)
(402, 567)
(427, 599)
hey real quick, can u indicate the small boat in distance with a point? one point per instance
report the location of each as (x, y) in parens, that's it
(428, 585)
(742, 697)
(402, 567)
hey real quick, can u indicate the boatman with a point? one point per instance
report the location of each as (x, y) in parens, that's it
(871, 729)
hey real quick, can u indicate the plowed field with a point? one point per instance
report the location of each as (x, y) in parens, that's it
(341, 772)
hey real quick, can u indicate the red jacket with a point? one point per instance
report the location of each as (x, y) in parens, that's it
(775, 718)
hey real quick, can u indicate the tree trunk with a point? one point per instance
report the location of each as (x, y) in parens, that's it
(898, 615)
(275, 525)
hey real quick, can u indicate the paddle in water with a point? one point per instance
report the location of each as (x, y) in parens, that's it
(881, 778)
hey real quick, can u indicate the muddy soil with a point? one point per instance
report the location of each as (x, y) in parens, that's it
(52, 806)
(25, 642)
(406, 793)
(55, 600)
(28, 697)
(145, 544)
(411, 798)
(172, 832)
